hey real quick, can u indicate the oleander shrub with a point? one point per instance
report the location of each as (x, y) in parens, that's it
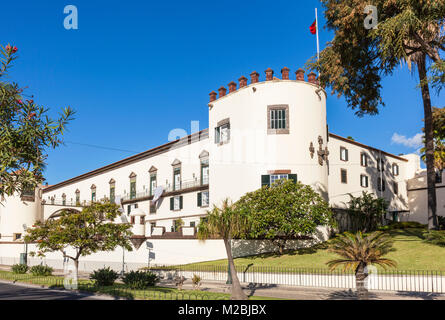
(140, 279)
(104, 277)
(41, 270)
(19, 268)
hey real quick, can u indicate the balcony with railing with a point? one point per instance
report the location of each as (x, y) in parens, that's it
(184, 186)
(66, 203)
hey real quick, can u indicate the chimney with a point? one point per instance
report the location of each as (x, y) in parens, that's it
(312, 78)
(269, 74)
(254, 76)
(212, 96)
(242, 82)
(285, 73)
(300, 74)
(232, 86)
(222, 92)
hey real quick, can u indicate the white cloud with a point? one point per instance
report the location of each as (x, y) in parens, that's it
(414, 142)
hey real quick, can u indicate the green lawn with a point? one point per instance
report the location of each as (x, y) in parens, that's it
(119, 289)
(409, 251)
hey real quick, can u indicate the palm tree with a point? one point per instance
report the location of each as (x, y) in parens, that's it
(225, 223)
(357, 252)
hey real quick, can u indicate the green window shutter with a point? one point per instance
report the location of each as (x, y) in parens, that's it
(199, 199)
(293, 177)
(180, 202)
(172, 204)
(347, 155)
(217, 134)
(265, 180)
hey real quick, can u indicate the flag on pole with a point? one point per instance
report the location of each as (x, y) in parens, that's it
(313, 27)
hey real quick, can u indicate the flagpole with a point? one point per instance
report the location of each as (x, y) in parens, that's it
(318, 45)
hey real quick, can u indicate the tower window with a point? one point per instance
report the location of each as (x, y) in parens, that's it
(278, 119)
(222, 131)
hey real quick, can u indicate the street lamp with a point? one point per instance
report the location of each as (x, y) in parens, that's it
(25, 256)
(150, 248)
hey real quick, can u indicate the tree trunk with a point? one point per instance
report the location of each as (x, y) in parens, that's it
(429, 144)
(360, 277)
(237, 291)
(76, 271)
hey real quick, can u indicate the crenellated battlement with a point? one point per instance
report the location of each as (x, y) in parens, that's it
(254, 78)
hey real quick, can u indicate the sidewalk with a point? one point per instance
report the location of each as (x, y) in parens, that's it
(307, 293)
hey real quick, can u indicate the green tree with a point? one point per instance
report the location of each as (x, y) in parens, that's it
(367, 211)
(357, 251)
(354, 62)
(86, 232)
(226, 223)
(284, 211)
(26, 132)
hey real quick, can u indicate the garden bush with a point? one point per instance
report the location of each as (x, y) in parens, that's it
(104, 277)
(140, 279)
(41, 270)
(19, 268)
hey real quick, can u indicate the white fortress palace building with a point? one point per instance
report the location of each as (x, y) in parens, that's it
(258, 133)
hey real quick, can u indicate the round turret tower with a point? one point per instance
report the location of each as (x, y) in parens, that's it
(267, 130)
(19, 210)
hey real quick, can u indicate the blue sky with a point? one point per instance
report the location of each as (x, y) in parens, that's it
(134, 70)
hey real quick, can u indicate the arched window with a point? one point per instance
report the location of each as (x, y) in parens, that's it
(132, 185)
(77, 197)
(93, 193)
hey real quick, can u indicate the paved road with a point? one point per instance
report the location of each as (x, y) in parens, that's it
(23, 292)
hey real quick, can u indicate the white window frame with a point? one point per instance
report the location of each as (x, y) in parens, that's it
(224, 133)
(364, 181)
(343, 154)
(275, 177)
(177, 180)
(395, 169)
(153, 184)
(177, 203)
(278, 116)
(363, 159)
(205, 199)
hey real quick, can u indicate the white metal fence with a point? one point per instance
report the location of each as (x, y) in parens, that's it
(390, 280)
